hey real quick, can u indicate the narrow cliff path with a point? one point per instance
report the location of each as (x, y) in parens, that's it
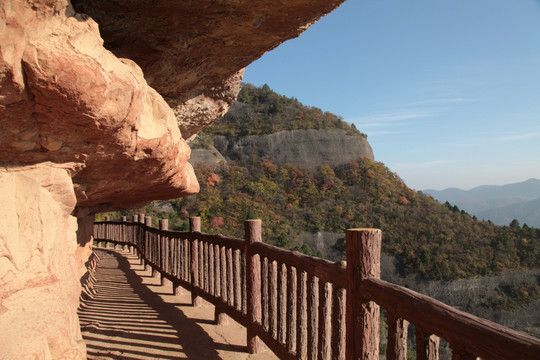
(131, 316)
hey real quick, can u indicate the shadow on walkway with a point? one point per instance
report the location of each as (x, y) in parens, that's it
(127, 318)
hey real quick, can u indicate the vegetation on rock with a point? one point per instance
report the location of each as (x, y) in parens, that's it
(261, 111)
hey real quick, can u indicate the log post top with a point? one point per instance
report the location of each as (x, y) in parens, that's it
(364, 230)
(194, 224)
(253, 231)
(363, 248)
(164, 224)
(148, 221)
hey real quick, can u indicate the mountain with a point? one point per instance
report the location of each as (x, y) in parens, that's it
(526, 213)
(500, 204)
(264, 124)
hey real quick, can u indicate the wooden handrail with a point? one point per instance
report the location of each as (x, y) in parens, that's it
(476, 335)
(296, 303)
(325, 270)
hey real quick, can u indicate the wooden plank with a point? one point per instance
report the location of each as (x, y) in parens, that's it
(291, 309)
(230, 284)
(223, 270)
(427, 345)
(237, 280)
(323, 342)
(264, 295)
(272, 298)
(281, 303)
(301, 311)
(397, 337)
(217, 266)
(338, 324)
(312, 317)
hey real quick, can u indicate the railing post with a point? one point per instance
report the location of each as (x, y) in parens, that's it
(126, 247)
(253, 234)
(147, 220)
(106, 245)
(141, 218)
(163, 225)
(135, 218)
(397, 337)
(195, 226)
(362, 315)
(427, 345)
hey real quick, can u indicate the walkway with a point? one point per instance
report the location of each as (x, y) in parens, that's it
(131, 316)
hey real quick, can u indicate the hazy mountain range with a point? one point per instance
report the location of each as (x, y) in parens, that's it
(498, 203)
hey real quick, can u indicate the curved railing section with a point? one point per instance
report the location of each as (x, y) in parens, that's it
(303, 307)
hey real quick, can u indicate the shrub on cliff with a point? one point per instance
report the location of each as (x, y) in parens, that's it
(267, 112)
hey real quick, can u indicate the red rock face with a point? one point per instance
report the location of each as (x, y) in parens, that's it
(193, 52)
(73, 102)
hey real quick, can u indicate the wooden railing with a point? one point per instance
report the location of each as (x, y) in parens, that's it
(303, 307)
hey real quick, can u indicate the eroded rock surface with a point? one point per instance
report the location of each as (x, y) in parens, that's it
(193, 52)
(66, 99)
(39, 281)
(305, 148)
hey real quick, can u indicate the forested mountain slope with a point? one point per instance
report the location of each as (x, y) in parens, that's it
(438, 241)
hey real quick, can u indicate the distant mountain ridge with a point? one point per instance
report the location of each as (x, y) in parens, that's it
(526, 213)
(498, 203)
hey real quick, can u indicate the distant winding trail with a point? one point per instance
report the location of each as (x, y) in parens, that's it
(132, 317)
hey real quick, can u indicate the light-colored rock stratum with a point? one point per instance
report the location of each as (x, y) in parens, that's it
(97, 100)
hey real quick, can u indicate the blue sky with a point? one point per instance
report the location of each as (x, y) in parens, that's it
(448, 92)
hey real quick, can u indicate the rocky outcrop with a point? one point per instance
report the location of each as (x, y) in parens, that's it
(89, 116)
(210, 157)
(193, 52)
(67, 100)
(39, 280)
(305, 148)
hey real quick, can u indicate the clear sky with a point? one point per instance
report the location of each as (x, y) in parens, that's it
(448, 92)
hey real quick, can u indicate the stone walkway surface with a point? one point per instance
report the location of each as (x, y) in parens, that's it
(132, 316)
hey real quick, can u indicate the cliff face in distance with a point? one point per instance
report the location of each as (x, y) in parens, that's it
(305, 148)
(265, 125)
(92, 96)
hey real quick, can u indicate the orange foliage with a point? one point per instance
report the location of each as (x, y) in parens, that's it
(403, 200)
(213, 179)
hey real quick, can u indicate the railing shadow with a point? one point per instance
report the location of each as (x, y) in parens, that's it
(149, 327)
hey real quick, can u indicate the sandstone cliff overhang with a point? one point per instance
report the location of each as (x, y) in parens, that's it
(103, 93)
(193, 52)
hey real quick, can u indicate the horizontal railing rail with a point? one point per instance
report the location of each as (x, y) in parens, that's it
(304, 307)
